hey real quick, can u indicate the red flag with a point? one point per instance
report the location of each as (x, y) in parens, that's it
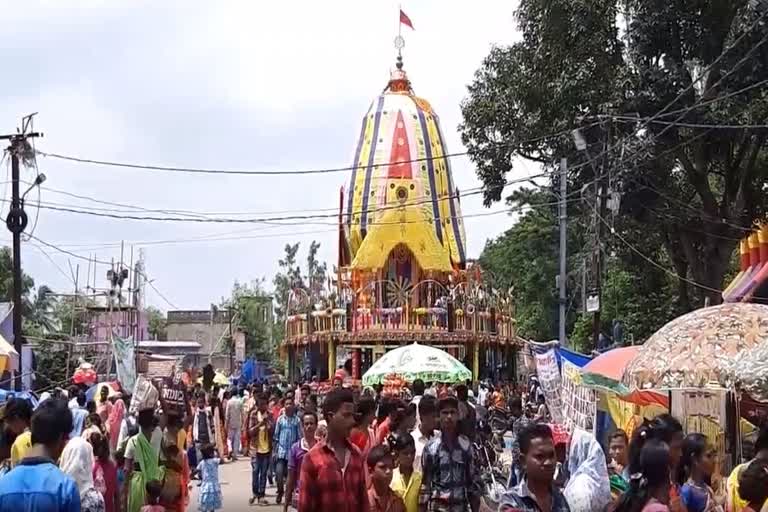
(405, 20)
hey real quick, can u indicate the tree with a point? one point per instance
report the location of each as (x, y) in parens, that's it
(526, 257)
(6, 277)
(600, 65)
(157, 323)
(316, 271)
(51, 360)
(41, 311)
(288, 276)
(251, 306)
(71, 314)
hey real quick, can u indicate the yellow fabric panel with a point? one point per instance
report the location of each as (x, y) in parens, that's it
(443, 191)
(355, 237)
(407, 226)
(623, 413)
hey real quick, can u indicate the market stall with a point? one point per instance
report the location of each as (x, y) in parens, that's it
(696, 359)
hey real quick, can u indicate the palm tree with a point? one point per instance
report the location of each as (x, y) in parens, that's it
(41, 310)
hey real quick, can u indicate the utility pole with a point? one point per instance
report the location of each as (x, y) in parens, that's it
(601, 197)
(16, 221)
(563, 240)
(593, 302)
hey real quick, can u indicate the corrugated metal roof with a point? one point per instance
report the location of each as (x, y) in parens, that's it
(169, 344)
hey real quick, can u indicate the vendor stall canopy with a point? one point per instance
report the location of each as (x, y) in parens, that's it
(699, 350)
(401, 192)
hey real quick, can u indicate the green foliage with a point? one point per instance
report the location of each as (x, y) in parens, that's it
(693, 191)
(51, 360)
(252, 307)
(41, 311)
(71, 315)
(316, 271)
(157, 323)
(6, 277)
(642, 298)
(288, 276)
(526, 257)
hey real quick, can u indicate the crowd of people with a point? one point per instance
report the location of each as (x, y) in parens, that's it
(348, 450)
(73, 454)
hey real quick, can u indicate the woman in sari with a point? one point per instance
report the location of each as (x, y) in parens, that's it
(77, 462)
(114, 421)
(588, 488)
(175, 484)
(219, 433)
(141, 462)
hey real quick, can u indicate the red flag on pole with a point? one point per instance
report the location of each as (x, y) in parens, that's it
(405, 20)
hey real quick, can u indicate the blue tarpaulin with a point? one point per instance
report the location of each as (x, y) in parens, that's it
(248, 372)
(572, 357)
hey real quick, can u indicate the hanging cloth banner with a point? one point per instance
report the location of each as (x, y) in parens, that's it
(125, 362)
(579, 402)
(549, 379)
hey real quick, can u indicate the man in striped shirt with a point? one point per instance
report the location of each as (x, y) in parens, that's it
(287, 432)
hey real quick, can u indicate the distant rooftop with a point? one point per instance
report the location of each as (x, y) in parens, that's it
(169, 344)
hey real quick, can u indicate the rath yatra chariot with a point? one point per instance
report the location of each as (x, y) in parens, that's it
(403, 275)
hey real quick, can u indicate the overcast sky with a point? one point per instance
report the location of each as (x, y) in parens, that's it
(251, 85)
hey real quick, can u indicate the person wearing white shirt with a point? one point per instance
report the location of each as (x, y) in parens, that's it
(233, 419)
(425, 430)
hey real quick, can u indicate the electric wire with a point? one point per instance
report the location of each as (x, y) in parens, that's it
(53, 262)
(194, 170)
(650, 260)
(95, 246)
(302, 218)
(107, 263)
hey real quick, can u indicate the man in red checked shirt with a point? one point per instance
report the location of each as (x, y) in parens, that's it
(332, 472)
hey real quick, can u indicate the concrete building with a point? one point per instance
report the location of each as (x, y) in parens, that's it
(209, 329)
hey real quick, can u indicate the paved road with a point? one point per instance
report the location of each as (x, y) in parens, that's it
(235, 480)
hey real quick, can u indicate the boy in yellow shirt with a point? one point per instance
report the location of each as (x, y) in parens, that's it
(734, 501)
(406, 482)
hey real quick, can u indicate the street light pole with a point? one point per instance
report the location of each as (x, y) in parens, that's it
(16, 222)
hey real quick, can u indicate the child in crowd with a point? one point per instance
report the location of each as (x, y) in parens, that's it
(154, 489)
(381, 498)
(104, 472)
(649, 487)
(406, 481)
(120, 463)
(209, 497)
(694, 474)
(753, 485)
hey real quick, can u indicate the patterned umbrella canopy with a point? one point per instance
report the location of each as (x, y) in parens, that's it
(750, 372)
(605, 371)
(416, 361)
(698, 350)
